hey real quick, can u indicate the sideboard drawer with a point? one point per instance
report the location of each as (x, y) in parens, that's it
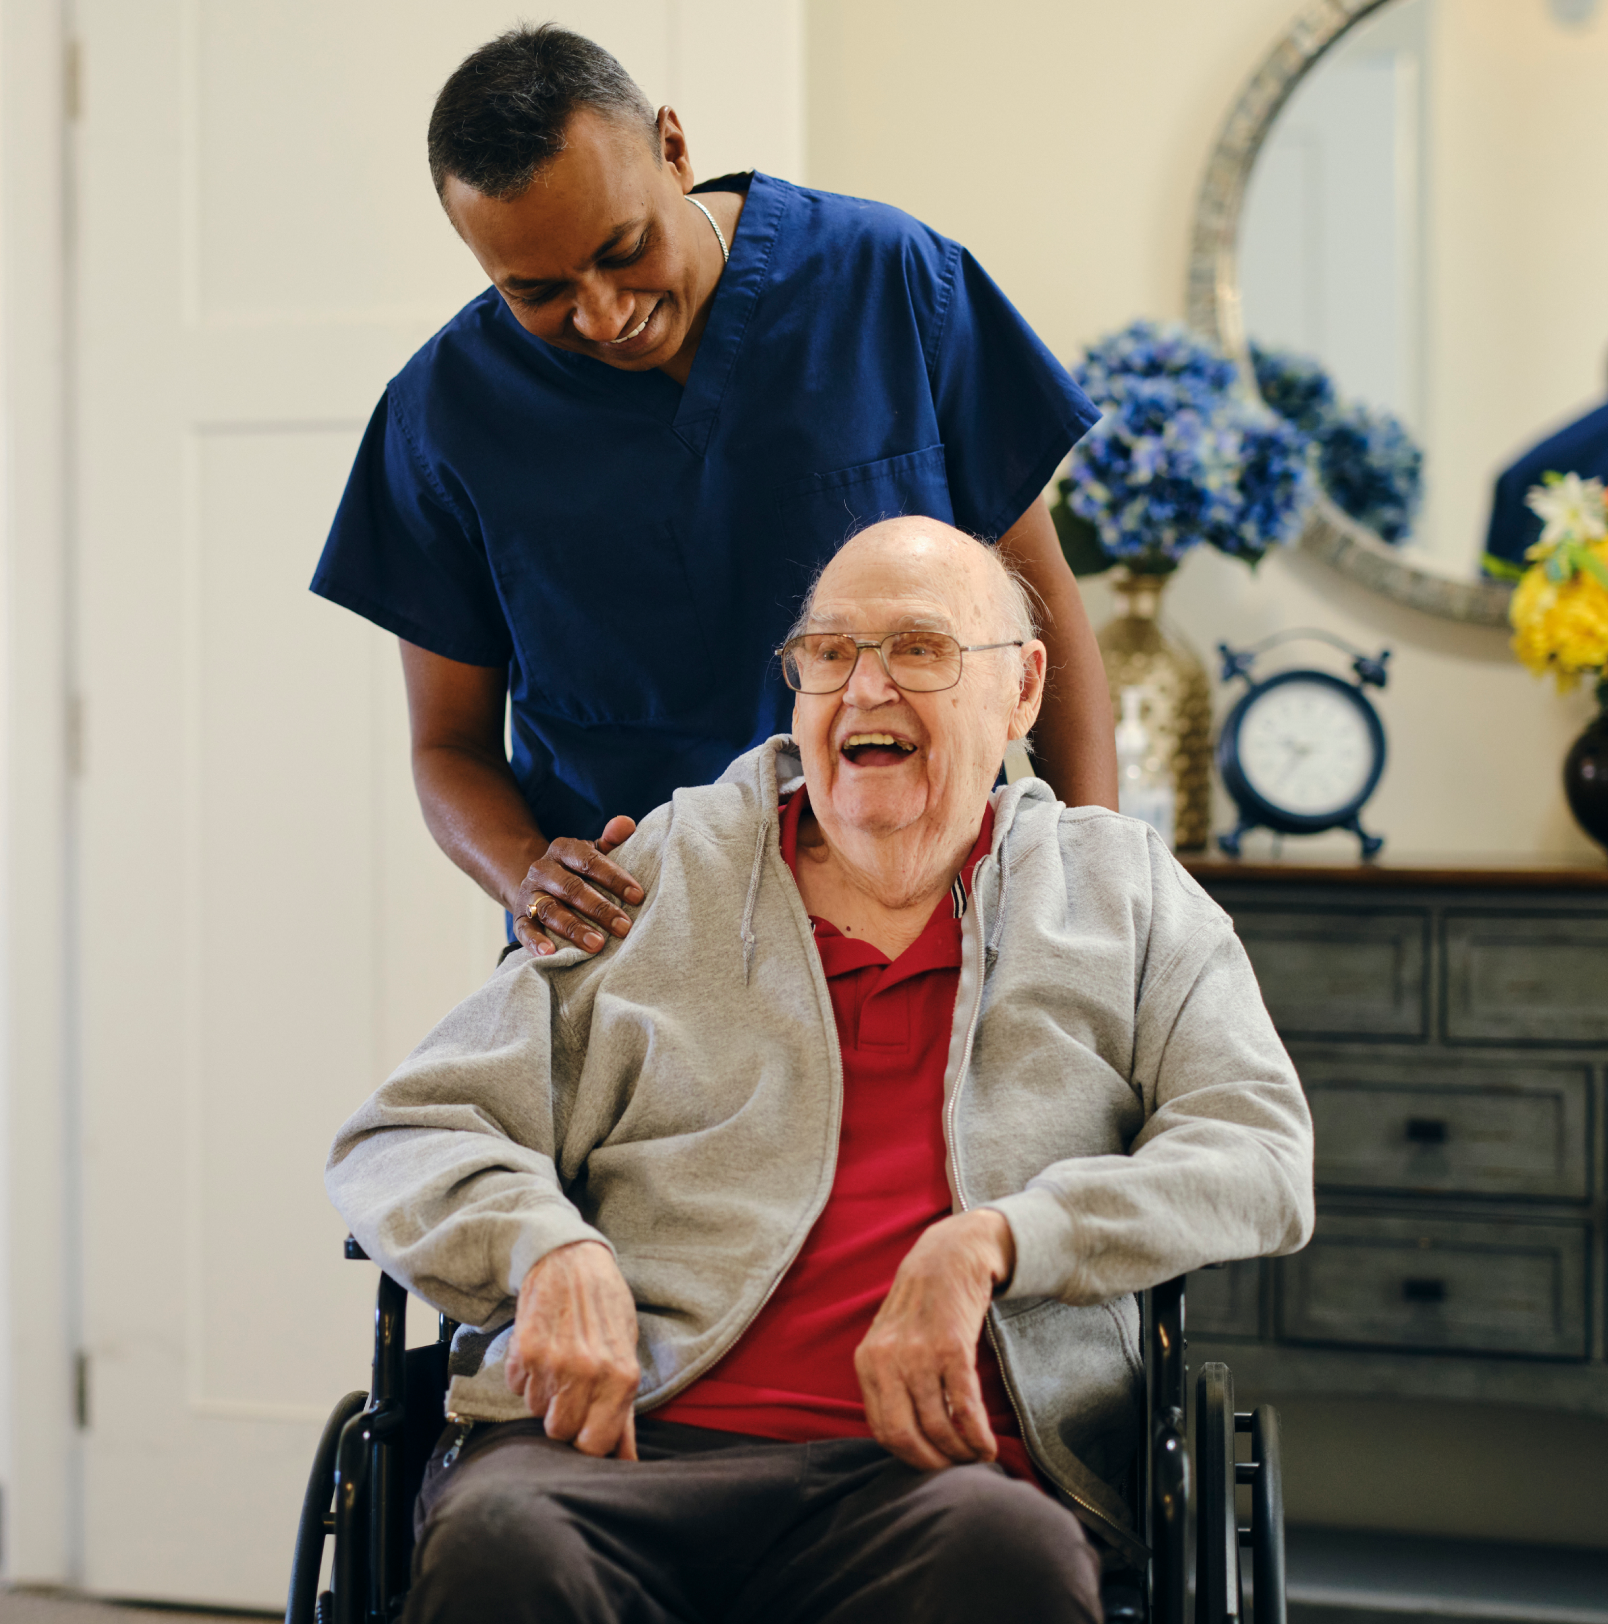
(1340, 974)
(1534, 978)
(1438, 1284)
(1451, 1128)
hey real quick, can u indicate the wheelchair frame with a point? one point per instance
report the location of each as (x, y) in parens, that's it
(370, 1462)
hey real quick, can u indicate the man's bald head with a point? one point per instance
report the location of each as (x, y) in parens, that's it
(987, 599)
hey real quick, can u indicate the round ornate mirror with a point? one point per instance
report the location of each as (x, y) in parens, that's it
(1408, 193)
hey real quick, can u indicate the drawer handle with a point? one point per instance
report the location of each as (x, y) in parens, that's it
(1424, 1291)
(1427, 1130)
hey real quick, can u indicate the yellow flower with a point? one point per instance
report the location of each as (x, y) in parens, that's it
(1562, 627)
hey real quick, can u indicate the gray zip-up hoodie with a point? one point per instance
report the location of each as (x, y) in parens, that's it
(1114, 1088)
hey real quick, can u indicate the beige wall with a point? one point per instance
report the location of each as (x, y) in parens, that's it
(1518, 317)
(1063, 140)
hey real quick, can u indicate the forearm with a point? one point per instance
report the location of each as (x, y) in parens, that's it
(1099, 1227)
(1074, 746)
(1222, 1167)
(468, 1231)
(473, 807)
(448, 1173)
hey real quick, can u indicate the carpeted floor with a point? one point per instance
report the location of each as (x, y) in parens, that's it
(54, 1607)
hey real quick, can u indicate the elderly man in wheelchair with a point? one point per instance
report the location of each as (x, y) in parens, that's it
(795, 1236)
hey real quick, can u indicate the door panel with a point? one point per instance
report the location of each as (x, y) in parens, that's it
(265, 927)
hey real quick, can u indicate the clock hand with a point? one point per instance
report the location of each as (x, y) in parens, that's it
(1294, 752)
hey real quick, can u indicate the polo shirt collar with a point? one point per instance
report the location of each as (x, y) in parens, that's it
(937, 947)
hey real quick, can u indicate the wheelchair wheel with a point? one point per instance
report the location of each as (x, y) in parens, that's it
(1217, 1566)
(305, 1605)
(1264, 1474)
(1219, 1536)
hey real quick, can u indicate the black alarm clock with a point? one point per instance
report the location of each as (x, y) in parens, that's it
(1302, 751)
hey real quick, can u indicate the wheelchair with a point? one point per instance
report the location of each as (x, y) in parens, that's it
(370, 1464)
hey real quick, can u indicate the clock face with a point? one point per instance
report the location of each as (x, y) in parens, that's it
(1306, 748)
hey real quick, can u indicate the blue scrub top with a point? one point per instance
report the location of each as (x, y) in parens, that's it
(633, 551)
(1581, 448)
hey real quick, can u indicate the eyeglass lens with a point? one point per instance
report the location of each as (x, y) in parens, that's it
(920, 662)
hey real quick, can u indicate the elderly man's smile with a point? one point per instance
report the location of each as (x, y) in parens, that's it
(877, 749)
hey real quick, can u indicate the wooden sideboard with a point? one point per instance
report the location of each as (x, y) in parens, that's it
(1450, 1025)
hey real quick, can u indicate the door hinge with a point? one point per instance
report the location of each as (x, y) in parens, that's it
(75, 735)
(81, 1390)
(73, 80)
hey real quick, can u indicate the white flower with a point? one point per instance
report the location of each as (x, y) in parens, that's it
(1571, 508)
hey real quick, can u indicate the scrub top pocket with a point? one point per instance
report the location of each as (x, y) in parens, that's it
(607, 629)
(822, 511)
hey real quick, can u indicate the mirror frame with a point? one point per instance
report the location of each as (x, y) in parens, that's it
(1214, 307)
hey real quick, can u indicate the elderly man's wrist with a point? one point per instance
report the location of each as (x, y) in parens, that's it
(558, 1229)
(1001, 1254)
(1045, 1260)
(569, 1247)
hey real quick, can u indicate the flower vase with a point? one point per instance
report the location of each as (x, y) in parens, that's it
(1178, 700)
(1585, 772)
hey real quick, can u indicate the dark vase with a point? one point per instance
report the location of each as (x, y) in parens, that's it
(1585, 773)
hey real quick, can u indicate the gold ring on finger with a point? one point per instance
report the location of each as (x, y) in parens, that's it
(531, 911)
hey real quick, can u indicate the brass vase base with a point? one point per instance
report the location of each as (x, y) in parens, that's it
(1178, 698)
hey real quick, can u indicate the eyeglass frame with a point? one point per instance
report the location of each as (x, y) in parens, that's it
(860, 646)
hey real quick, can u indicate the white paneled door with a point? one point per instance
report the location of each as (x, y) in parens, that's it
(263, 927)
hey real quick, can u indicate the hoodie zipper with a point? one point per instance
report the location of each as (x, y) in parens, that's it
(464, 1429)
(972, 938)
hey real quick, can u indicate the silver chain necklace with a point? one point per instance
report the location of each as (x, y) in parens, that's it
(720, 236)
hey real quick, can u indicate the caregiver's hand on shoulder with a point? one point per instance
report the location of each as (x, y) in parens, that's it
(918, 1363)
(555, 903)
(573, 1354)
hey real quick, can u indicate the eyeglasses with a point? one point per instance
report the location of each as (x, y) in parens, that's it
(916, 662)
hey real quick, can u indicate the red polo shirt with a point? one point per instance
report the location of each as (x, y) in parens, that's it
(791, 1374)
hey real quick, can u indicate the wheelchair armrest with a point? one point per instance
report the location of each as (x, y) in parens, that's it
(1164, 1355)
(1167, 1473)
(353, 1251)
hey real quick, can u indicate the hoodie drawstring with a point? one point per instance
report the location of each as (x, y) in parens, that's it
(753, 898)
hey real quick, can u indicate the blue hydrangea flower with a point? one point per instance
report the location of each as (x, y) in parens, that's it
(1277, 483)
(1372, 469)
(1181, 455)
(1296, 387)
(1148, 349)
(1367, 461)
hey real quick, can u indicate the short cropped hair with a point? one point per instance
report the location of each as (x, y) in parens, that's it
(502, 114)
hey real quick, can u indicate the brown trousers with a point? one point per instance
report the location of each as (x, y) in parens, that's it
(713, 1528)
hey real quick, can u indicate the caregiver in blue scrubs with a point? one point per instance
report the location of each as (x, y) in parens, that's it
(602, 488)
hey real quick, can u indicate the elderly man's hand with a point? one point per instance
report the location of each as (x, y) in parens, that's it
(573, 1352)
(918, 1363)
(555, 903)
